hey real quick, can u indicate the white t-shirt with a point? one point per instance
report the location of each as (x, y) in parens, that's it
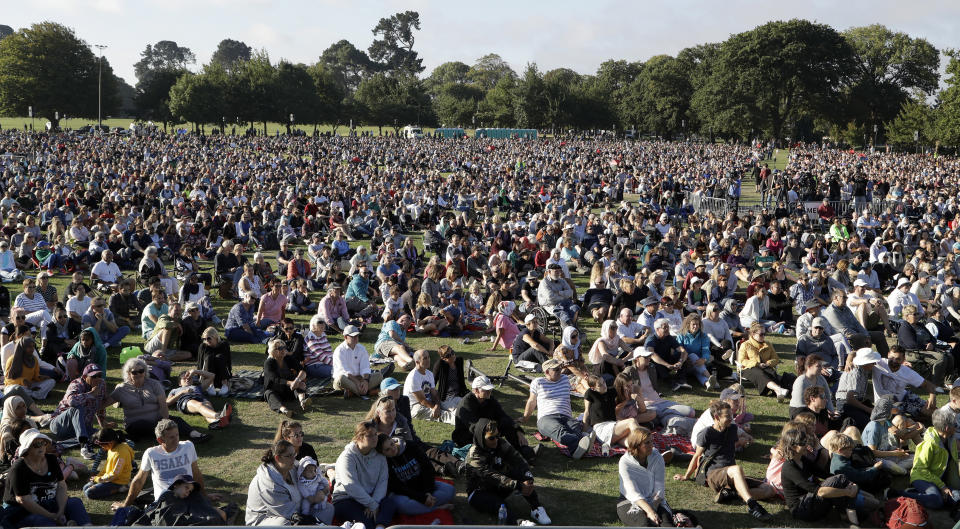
(164, 467)
(417, 381)
(553, 398)
(631, 330)
(79, 306)
(108, 272)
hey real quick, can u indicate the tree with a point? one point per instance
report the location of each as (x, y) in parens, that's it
(947, 115)
(612, 87)
(230, 52)
(531, 104)
(392, 100)
(48, 67)
(5, 31)
(454, 72)
(489, 70)
(126, 98)
(255, 86)
(348, 65)
(152, 98)
(774, 75)
(393, 49)
(164, 55)
(498, 107)
(197, 99)
(559, 92)
(455, 104)
(297, 95)
(915, 117)
(889, 67)
(663, 90)
(329, 93)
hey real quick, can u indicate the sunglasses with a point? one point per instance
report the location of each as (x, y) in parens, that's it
(95, 375)
(138, 372)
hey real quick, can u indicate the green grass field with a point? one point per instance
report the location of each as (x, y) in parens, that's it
(581, 492)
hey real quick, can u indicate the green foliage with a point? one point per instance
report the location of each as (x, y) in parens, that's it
(454, 72)
(889, 67)
(164, 55)
(914, 117)
(662, 93)
(393, 49)
(392, 100)
(772, 76)
(497, 108)
(530, 108)
(48, 67)
(197, 98)
(456, 104)
(489, 70)
(153, 95)
(5, 31)
(348, 65)
(230, 53)
(947, 126)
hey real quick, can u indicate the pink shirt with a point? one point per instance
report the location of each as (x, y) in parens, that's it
(509, 330)
(272, 309)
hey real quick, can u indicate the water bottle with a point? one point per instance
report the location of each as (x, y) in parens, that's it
(502, 515)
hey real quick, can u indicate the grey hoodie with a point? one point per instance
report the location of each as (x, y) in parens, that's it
(361, 477)
(270, 496)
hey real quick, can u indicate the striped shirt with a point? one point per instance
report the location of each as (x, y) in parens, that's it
(553, 398)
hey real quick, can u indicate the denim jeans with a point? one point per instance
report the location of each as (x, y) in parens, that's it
(237, 334)
(71, 424)
(442, 491)
(115, 338)
(74, 511)
(561, 428)
(100, 491)
(927, 494)
(319, 370)
(351, 510)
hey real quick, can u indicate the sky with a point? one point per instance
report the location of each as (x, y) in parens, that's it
(558, 33)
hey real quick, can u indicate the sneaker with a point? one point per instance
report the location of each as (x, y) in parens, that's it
(782, 395)
(539, 515)
(525, 523)
(712, 382)
(387, 370)
(725, 495)
(584, 445)
(87, 452)
(224, 391)
(727, 354)
(288, 412)
(677, 387)
(684, 385)
(45, 420)
(757, 511)
(305, 403)
(212, 391)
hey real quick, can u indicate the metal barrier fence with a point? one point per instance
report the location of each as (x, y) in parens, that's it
(702, 204)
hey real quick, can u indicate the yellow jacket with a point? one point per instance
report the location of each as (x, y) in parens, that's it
(752, 353)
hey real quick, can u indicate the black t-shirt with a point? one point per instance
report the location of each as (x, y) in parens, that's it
(797, 481)
(722, 443)
(22, 481)
(631, 301)
(306, 450)
(520, 346)
(603, 406)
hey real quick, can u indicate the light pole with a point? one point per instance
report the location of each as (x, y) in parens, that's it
(100, 86)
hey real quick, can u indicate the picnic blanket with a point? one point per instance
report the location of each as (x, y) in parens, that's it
(248, 384)
(662, 441)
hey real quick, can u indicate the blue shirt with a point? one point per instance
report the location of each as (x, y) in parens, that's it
(240, 316)
(358, 288)
(391, 325)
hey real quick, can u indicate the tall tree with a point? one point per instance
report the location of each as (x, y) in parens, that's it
(775, 74)
(890, 66)
(915, 117)
(663, 91)
(531, 104)
(948, 113)
(329, 93)
(197, 99)
(164, 55)
(231, 52)
(348, 65)
(392, 100)
(5, 31)
(255, 88)
(297, 95)
(489, 70)
(393, 47)
(559, 92)
(455, 104)
(449, 72)
(152, 99)
(498, 107)
(612, 85)
(48, 67)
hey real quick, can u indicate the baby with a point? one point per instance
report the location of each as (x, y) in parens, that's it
(313, 487)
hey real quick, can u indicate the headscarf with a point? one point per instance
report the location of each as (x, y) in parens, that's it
(9, 405)
(21, 358)
(567, 340)
(99, 353)
(507, 307)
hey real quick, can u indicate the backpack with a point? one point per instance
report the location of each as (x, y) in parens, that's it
(905, 513)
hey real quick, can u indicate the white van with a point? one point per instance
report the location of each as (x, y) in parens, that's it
(412, 131)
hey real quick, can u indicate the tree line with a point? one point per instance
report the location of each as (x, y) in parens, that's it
(793, 79)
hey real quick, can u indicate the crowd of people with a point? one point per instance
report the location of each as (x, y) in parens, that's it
(153, 228)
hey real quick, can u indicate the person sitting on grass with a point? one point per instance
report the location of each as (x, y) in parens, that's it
(81, 404)
(273, 497)
(214, 356)
(759, 360)
(163, 463)
(808, 498)
(495, 470)
(412, 484)
(931, 464)
(550, 396)
(189, 398)
(283, 379)
(642, 474)
(600, 414)
(871, 479)
(87, 350)
(360, 493)
(114, 477)
(891, 377)
(351, 367)
(880, 435)
(425, 400)
(719, 470)
(165, 338)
